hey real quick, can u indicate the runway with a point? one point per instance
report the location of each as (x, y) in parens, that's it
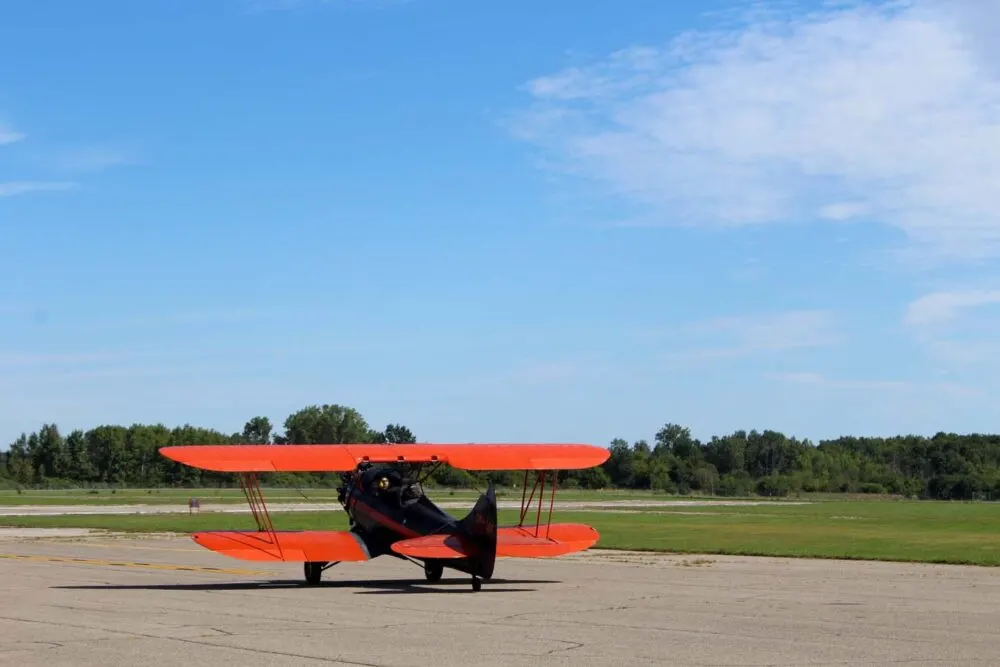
(91, 599)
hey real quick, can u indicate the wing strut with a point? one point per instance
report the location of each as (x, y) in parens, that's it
(251, 489)
(539, 485)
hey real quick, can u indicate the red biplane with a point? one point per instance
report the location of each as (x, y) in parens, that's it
(389, 514)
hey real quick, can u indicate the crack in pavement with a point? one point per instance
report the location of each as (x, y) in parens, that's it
(572, 645)
(550, 612)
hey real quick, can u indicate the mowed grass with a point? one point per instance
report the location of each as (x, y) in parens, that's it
(155, 496)
(934, 532)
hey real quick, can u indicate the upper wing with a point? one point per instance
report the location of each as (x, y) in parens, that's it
(320, 458)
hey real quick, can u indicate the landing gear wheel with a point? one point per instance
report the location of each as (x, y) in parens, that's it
(477, 583)
(314, 573)
(433, 571)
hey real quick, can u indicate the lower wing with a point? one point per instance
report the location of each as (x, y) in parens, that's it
(557, 539)
(298, 546)
(553, 540)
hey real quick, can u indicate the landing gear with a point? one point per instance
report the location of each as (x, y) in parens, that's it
(477, 583)
(314, 571)
(433, 571)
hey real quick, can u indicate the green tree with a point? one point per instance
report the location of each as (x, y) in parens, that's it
(80, 467)
(620, 466)
(257, 431)
(107, 448)
(394, 434)
(326, 424)
(47, 450)
(676, 439)
(18, 462)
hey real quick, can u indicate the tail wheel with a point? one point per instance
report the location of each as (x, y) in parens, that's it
(477, 583)
(433, 571)
(314, 573)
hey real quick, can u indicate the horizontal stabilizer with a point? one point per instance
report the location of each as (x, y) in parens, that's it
(297, 546)
(316, 458)
(434, 546)
(557, 539)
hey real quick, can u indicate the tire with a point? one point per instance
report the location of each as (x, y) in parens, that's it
(433, 571)
(314, 573)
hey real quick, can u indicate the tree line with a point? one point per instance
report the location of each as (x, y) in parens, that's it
(946, 466)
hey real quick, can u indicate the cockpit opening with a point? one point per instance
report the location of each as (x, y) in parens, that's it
(389, 484)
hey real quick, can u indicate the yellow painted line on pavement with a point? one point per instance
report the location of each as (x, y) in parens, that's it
(122, 563)
(116, 545)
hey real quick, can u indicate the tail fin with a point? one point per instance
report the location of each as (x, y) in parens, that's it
(480, 528)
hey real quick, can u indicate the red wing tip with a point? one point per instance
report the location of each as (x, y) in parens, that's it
(547, 541)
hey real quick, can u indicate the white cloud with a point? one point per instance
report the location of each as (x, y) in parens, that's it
(972, 353)
(939, 307)
(884, 111)
(819, 380)
(843, 210)
(980, 20)
(9, 359)
(258, 6)
(8, 135)
(94, 158)
(85, 159)
(577, 370)
(187, 317)
(957, 327)
(736, 336)
(12, 188)
(789, 329)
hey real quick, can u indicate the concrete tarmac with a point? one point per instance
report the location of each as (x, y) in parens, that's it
(82, 599)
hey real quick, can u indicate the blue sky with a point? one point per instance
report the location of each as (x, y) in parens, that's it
(556, 221)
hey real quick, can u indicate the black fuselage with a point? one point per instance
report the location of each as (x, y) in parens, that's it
(391, 511)
(384, 507)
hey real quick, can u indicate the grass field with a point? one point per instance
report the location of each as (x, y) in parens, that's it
(936, 532)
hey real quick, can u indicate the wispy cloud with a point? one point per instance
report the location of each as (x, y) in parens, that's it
(13, 188)
(8, 135)
(742, 335)
(81, 159)
(577, 370)
(122, 372)
(180, 317)
(131, 323)
(899, 386)
(15, 359)
(259, 6)
(940, 307)
(887, 111)
(773, 331)
(962, 352)
(819, 379)
(957, 326)
(91, 158)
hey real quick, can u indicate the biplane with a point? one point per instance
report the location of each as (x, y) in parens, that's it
(388, 511)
